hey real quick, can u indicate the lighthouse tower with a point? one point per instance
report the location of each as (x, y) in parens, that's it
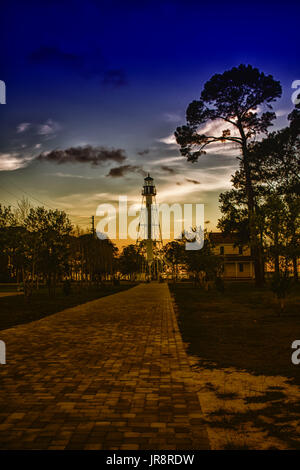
(149, 238)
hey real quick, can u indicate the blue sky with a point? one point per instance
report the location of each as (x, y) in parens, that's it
(120, 75)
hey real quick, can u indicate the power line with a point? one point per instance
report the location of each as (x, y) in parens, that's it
(12, 194)
(39, 201)
(32, 197)
(9, 203)
(93, 225)
(18, 197)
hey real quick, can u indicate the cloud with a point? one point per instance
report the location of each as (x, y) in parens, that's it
(172, 117)
(53, 55)
(23, 127)
(114, 78)
(68, 175)
(12, 161)
(168, 169)
(176, 160)
(88, 64)
(281, 112)
(215, 128)
(87, 154)
(192, 181)
(169, 140)
(49, 128)
(143, 152)
(122, 170)
(177, 192)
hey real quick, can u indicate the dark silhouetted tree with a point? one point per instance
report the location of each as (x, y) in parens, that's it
(233, 100)
(174, 256)
(130, 261)
(275, 169)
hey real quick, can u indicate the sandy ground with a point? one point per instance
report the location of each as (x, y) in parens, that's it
(247, 411)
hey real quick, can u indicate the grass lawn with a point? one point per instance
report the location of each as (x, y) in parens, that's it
(8, 287)
(240, 328)
(16, 310)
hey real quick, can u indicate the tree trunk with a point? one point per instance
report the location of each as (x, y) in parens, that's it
(255, 247)
(49, 284)
(295, 268)
(276, 254)
(54, 284)
(276, 263)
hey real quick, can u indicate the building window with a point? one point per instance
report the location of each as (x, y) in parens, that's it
(240, 250)
(221, 250)
(241, 267)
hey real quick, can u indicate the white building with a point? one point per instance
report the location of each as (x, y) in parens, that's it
(238, 263)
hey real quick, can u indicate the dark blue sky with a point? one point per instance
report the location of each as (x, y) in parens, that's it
(121, 74)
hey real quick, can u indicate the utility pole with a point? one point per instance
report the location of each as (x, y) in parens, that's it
(93, 225)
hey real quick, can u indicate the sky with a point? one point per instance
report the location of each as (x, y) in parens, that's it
(118, 76)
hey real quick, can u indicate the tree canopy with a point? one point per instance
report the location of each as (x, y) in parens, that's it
(233, 97)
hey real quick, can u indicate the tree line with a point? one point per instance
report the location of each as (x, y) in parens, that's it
(42, 246)
(262, 208)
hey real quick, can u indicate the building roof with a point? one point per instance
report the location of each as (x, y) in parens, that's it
(219, 237)
(148, 178)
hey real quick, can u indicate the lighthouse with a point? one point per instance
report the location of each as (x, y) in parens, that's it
(149, 238)
(149, 193)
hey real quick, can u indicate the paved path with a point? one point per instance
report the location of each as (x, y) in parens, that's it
(9, 294)
(109, 374)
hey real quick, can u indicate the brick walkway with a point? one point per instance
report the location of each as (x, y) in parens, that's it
(109, 374)
(9, 294)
